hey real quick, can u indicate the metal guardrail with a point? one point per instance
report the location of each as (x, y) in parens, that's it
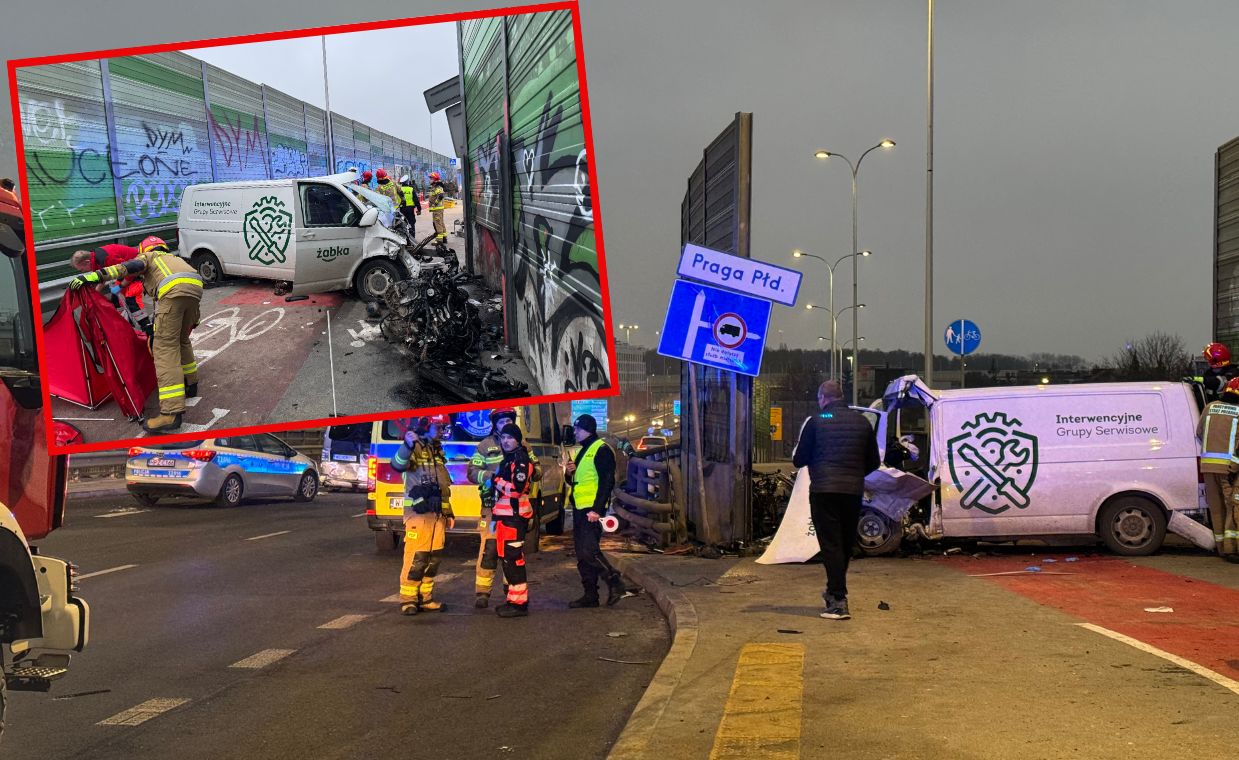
(97, 464)
(648, 500)
(51, 291)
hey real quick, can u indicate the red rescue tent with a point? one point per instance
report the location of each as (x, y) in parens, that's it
(94, 354)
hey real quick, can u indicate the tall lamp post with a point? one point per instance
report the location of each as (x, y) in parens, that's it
(830, 268)
(628, 332)
(834, 331)
(855, 167)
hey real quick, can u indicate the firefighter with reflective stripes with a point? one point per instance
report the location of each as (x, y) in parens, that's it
(177, 290)
(1218, 432)
(512, 512)
(427, 514)
(593, 477)
(1220, 369)
(436, 209)
(482, 469)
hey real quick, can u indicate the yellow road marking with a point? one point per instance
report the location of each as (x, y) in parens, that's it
(762, 716)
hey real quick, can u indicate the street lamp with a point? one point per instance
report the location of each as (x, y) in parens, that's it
(628, 332)
(855, 167)
(834, 331)
(830, 268)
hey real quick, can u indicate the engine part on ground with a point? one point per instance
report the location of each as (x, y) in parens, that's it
(472, 383)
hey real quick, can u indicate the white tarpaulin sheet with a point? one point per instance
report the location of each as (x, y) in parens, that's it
(891, 491)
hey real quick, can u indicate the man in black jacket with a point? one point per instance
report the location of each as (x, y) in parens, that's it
(839, 448)
(592, 475)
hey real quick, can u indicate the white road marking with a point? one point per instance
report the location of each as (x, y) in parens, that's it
(392, 598)
(193, 401)
(268, 535)
(359, 514)
(151, 708)
(1200, 670)
(104, 572)
(344, 621)
(263, 658)
(123, 512)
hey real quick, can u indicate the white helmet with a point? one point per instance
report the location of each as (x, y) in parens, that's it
(404, 180)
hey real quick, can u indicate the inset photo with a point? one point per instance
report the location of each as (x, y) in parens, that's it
(347, 222)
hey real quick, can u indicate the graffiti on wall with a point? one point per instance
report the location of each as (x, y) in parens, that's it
(156, 167)
(485, 189)
(556, 274)
(288, 161)
(68, 170)
(241, 144)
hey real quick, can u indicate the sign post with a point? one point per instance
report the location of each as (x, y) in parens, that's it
(962, 338)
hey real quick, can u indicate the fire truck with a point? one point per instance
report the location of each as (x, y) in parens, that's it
(41, 620)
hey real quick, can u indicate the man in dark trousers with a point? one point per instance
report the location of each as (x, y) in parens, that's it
(592, 476)
(839, 448)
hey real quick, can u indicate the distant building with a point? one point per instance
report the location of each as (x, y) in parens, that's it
(1226, 246)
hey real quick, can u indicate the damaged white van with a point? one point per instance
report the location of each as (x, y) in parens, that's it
(317, 233)
(1117, 461)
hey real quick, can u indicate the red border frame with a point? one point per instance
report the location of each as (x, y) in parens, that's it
(569, 5)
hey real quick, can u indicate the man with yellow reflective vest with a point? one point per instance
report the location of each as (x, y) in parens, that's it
(177, 290)
(482, 469)
(1218, 432)
(436, 209)
(410, 205)
(593, 478)
(427, 514)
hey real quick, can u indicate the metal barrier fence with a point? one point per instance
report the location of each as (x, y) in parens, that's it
(650, 498)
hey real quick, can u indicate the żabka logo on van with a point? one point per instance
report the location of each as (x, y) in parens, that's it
(267, 228)
(993, 463)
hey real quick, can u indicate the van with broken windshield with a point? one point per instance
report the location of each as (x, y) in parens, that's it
(310, 235)
(1114, 461)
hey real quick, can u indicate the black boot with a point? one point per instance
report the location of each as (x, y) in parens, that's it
(584, 601)
(615, 591)
(509, 610)
(191, 390)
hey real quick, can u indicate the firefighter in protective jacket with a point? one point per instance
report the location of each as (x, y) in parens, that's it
(1218, 464)
(482, 469)
(427, 514)
(436, 209)
(177, 290)
(512, 512)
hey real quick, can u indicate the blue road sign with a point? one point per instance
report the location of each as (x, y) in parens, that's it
(715, 327)
(962, 337)
(451, 162)
(594, 407)
(676, 407)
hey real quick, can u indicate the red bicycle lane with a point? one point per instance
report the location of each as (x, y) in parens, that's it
(1115, 594)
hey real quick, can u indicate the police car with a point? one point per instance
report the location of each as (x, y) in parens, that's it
(223, 470)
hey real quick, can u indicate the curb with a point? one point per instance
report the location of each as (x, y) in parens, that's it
(640, 729)
(90, 490)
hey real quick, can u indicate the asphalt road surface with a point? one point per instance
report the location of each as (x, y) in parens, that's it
(269, 631)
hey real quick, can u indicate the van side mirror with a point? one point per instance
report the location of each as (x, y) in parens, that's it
(369, 218)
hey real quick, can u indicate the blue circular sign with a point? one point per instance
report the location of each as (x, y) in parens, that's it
(476, 423)
(962, 337)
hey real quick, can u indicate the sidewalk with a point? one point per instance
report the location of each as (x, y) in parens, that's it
(949, 665)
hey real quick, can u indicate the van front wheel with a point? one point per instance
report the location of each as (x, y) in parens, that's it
(374, 278)
(877, 535)
(208, 267)
(1132, 526)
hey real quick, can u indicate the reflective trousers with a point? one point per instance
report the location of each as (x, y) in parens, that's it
(175, 318)
(488, 556)
(424, 536)
(440, 229)
(510, 541)
(1220, 494)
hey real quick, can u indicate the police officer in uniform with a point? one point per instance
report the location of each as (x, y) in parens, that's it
(410, 205)
(1219, 462)
(592, 475)
(177, 290)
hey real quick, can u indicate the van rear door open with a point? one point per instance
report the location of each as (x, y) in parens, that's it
(328, 238)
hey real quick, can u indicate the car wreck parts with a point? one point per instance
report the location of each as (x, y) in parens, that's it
(439, 326)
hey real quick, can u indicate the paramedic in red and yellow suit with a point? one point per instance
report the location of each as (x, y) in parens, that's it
(512, 513)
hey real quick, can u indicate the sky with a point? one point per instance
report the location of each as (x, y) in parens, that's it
(384, 95)
(1074, 147)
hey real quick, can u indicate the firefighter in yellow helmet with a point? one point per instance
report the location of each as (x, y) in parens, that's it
(1219, 462)
(436, 209)
(427, 514)
(177, 290)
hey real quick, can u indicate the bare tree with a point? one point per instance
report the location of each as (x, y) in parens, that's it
(1158, 356)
